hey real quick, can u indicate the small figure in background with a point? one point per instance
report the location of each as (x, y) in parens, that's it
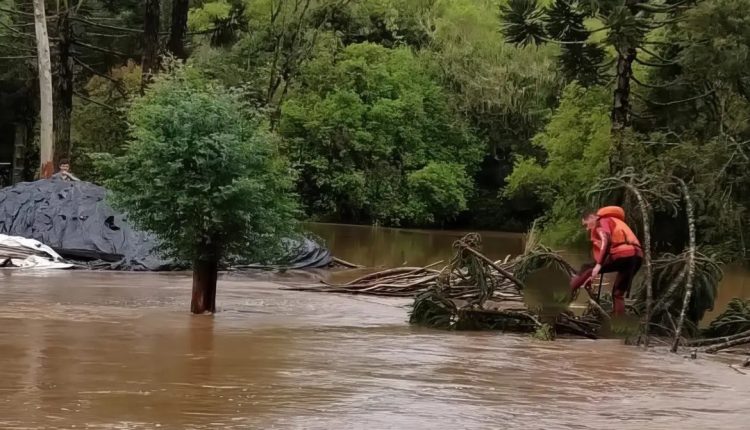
(64, 172)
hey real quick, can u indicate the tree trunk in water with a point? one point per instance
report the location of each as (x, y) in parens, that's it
(63, 89)
(643, 205)
(46, 146)
(150, 60)
(690, 264)
(178, 28)
(205, 275)
(621, 107)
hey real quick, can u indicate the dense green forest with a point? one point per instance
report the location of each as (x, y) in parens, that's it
(447, 113)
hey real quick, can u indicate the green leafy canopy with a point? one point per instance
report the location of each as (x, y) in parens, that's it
(576, 143)
(201, 173)
(361, 125)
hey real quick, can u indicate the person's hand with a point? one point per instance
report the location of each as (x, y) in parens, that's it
(595, 271)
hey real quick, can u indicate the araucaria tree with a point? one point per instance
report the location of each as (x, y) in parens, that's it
(203, 175)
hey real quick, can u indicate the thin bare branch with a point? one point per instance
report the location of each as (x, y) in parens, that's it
(84, 98)
(651, 64)
(674, 102)
(99, 49)
(118, 82)
(656, 87)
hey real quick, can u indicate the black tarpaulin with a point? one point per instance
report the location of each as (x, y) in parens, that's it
(74, 219)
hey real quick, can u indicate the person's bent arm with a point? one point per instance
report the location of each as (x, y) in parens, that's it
(603, 254)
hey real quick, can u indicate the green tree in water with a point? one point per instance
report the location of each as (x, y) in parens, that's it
(361, 124)
(202, 175)
(576, 144)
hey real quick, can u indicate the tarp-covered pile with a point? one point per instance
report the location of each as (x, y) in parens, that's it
(74, 220)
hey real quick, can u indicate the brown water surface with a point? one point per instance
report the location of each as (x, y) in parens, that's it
(120, 351)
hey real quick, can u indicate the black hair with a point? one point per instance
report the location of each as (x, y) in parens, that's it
(63, 161)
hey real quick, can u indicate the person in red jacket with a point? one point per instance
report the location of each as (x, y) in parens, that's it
(615, 249)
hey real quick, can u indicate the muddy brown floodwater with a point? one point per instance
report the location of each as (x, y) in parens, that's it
(120, 351)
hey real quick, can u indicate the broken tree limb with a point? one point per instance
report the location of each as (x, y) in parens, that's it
(345, 263)
(717, 340)
(502, 271)
(386, 273)
(729, 344)
(597, 306)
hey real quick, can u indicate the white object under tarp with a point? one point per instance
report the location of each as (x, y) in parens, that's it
(51, 260)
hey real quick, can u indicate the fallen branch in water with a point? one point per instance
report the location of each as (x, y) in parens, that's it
(717, 340)
(345, 263)
(735, 342)
(410, 281)
(492, 264)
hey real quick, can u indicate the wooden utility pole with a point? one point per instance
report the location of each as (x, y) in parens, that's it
(46, 148)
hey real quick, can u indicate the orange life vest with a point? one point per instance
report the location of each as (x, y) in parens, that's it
(623, 242)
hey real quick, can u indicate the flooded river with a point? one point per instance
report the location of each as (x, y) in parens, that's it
(120, 351)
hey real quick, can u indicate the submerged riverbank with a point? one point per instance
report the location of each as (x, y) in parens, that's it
(119, 350)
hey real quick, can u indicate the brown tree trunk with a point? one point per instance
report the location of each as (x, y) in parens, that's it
(63, 89)
(621, 107)
(150, 60)
(205, 275)
(178, 28)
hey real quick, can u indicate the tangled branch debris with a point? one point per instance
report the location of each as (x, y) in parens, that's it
(473, 292)
(470, 275)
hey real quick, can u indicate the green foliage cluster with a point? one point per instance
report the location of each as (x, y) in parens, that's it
(374, 140)
(735, 319)
(100, 126)
(202, 172)
(576, 142)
